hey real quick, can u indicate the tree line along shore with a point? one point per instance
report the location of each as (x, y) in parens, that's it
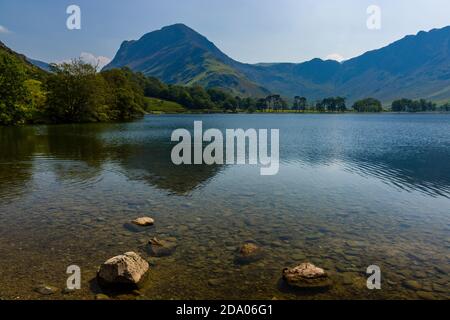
(76, 93)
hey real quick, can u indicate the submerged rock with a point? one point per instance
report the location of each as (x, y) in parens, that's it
(102, 296)
(412, 284)
(46, 290)
(126, 269)
(307, 276)
(143, 221)
(162, 248)
(248, 249)
(131, 227)
(425, 295)
(248, 253)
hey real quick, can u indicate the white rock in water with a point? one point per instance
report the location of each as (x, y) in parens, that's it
(128, 269)
(144, 221)
(307, 275)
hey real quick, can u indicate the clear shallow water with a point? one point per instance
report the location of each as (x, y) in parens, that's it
(353, 190)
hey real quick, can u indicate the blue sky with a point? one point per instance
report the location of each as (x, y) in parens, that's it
(247, 30)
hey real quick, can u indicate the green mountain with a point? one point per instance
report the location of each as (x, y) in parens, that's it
(414, 67)
(179, 55)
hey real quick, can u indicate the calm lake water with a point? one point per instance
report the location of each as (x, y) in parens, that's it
(352, 191)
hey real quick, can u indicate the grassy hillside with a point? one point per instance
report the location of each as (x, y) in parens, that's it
(155, 105)
(31, 70)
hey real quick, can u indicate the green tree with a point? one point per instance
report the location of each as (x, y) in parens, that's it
(37, 100)
(125, 94)
(340, 104)
(76, 93)
(368, 105)
(407, 105)
(300, 103)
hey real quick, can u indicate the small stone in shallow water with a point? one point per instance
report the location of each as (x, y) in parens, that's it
(307, 276)
(126, 269)
(248, 249)
(248, 253)
(101, 296)
(162, 248)
(144, 221)
(213, 282)
(46, 290)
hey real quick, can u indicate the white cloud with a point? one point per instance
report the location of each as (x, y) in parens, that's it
(90, 58)
(4, 29)
(335, 56)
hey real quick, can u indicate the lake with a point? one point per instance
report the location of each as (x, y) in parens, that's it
(352, 191)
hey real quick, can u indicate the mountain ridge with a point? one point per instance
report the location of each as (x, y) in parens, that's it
(416, 66)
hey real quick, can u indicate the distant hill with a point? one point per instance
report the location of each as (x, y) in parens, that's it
(40, 64)
(414, 67)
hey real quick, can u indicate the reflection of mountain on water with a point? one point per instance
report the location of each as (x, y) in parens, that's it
(402, 154)
(80, 155)
(142, 158)
(152, 164)
(426, 173)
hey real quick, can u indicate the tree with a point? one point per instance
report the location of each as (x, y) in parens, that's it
(14, 96)
(320, 106)
(37, 100)
(407, 105)
(76, 93)
(332, 104)
(300, 103)
(368, 105)
(340, 104)
(125, 94)
(275, 102)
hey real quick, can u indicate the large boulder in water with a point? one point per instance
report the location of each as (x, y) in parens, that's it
(307, 276)
(124, 270)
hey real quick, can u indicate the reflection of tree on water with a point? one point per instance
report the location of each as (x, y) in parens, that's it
(78, 154)
(146, 160)
(81, 150)
(17, 146)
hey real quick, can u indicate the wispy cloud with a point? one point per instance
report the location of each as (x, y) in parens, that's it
(4, 29)
(92, 59)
